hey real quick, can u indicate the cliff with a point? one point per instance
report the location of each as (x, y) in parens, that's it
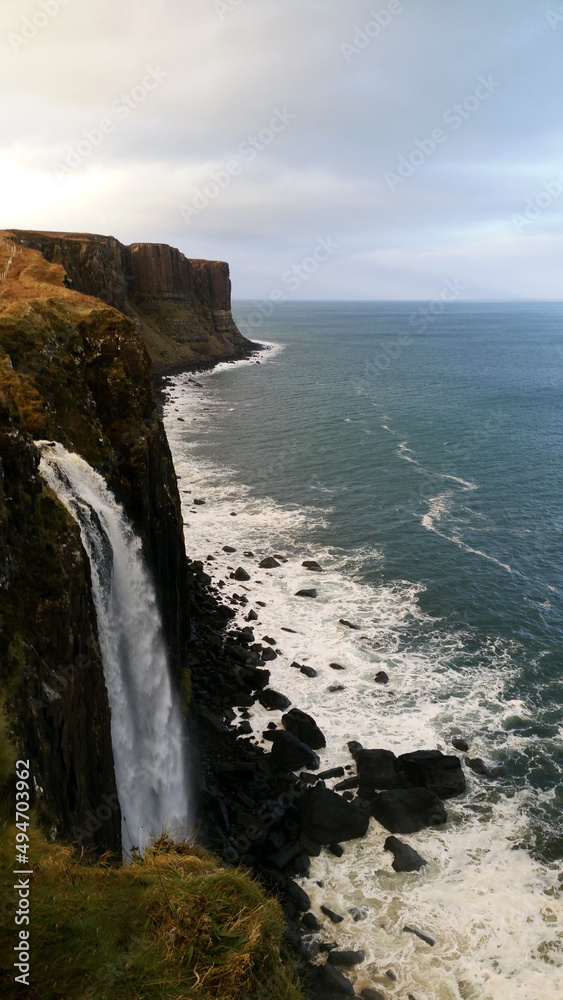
(182, 307)
(75, 370)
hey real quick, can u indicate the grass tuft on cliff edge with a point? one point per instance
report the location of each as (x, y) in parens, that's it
(174, 925)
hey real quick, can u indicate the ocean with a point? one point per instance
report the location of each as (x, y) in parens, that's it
(416, 453)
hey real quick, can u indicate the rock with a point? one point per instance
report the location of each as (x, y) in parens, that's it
(273, 700)
(311, 592)
(336, 687)
(241, 574)
(261, 604)
(312, 847)
(333, 772)
(369, 994)
(248, 555)
(228, 548)
(199, 503)
(251, 617)
(433, 770)
(304, 727)
(327, 946)
(336, 666)
(332, 985)
(269, 640)
(420, 934)
(408, 810)
(343, 786)
(376, 769)
(478, 765)
(329, 819)
(269, 654)
(284, 628)
(359, 913)
(343, 621)
(381, 677)
(312, 565)
(354, 747)
(290, 754)
(405, 858)
(308, 671)
(298, 896)
(310, 922)
(347, 958)
(336, 918)
(336, 849)
(245, 728)
(391, 975)
(460, 744)
(268, 563)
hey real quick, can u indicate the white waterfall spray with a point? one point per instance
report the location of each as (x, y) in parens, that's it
(148, 737)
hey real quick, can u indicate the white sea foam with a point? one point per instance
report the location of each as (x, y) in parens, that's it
(492, 909)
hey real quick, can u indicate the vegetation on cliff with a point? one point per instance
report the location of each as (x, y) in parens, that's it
(174, 925)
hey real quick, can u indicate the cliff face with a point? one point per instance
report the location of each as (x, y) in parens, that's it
(182, 307)
(74, 370)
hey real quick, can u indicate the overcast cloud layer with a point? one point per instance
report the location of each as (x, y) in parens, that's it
(420, 140)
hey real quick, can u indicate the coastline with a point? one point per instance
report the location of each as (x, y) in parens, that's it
(213, 529)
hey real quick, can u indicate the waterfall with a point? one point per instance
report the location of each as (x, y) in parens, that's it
(148, 736)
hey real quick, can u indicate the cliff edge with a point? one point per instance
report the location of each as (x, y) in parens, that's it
(181, 307)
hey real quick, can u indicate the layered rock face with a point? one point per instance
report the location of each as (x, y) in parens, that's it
(182, 307)
(74, 370)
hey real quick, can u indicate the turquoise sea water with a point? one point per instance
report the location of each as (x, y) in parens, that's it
(419, 457)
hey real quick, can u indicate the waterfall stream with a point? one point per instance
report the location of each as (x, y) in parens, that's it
(148, 734)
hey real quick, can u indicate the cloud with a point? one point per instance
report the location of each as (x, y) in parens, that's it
(225, 68)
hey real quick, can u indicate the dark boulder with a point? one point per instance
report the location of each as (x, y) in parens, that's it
(359, 913)
(290, 754)
(241, 574)
(228, 548)
(354, 747)
(460, 744)
(330, 984)
(304, 727)
(479, 767)
(333, 772)
(405, 858)
(268, 563)
(347, 958)
(312, 565)
(268, 654)
(332, 915)
(336, 666)
(369, 994)
(273, 700)
(343, 786)
(307, 592)
(337, 686)
(377, 769)
(310, 922)
(433, 770)
(381, 677)
(343, 621)
(419, 934)
(408, 810)
(329, 819)
(308, 671)
(298, 896)
(336, 849)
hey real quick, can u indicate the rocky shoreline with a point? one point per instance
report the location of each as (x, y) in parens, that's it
(272, 811)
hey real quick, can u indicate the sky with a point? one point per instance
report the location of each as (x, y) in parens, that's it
(338, 149)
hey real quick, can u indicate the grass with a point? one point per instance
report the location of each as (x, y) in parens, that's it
(174, 925)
